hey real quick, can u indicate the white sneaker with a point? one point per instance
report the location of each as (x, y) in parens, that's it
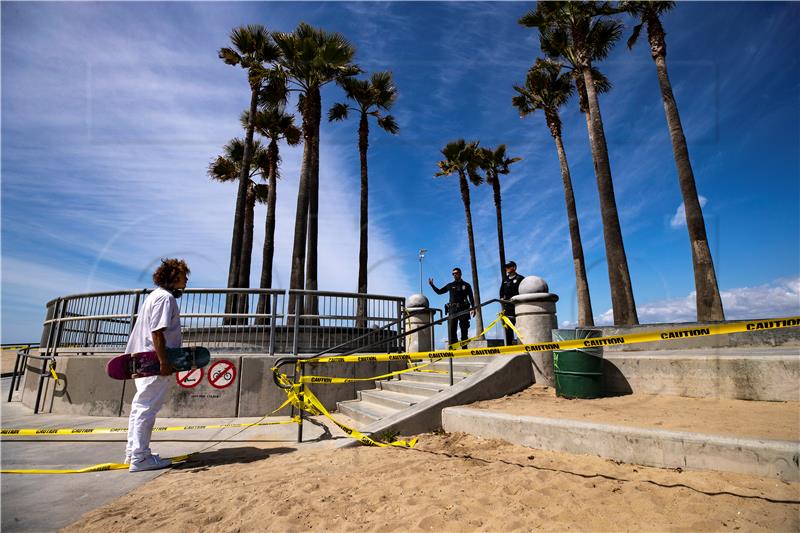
(151, 462)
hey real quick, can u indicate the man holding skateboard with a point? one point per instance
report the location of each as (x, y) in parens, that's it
(157, 328)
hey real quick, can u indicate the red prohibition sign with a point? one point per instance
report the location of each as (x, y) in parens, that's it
(189, 378)
(221, 374)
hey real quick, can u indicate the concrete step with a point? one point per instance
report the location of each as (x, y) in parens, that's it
(630, 444)
(417, 388)
(430, 377)
(463, 367)
(391, 399)
(364, 412)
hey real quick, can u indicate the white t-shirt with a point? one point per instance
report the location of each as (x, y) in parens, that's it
(159, 310)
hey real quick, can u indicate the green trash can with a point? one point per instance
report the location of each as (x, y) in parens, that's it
(578, 372)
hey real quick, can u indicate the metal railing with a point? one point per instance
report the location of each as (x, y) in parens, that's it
(102, 322)
(333, 322)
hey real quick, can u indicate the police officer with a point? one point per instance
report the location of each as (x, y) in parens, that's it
(508, 288)
(461, 299)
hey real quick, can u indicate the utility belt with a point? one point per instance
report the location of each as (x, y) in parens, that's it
(455, 307)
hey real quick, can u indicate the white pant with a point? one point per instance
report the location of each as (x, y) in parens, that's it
(150, 394)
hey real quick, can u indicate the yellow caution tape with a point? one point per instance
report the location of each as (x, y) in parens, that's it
(19, 346)
(466, 342)
(53, 371)
(6, 432)
(617, 340)
(306, 400)
(418, 367)
(94, 468)
(510, 325)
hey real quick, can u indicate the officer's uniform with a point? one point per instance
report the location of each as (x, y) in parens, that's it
(461, 299)
(509, 288)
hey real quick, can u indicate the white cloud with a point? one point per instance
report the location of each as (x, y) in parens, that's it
(779, 298)
(679, 218)
(120, 180)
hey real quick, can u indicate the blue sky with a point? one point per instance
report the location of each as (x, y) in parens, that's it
(111, 113)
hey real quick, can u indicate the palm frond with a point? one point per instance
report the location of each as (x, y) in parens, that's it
(223, 169)
(634, 35)
(229, 56)
(602, 37)
(260, 190)
(338, 112)
(389, 124)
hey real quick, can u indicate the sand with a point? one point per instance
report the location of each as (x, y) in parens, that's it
(738, 418)
(448, 483)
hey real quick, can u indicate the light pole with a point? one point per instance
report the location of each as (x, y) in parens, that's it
(421, 257)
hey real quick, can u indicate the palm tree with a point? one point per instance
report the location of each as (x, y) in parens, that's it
(275, 124)
(226, 168)
(252, 48)
(371, 98)
(494, 163)
(579, 33)
(310, 58)
(709, 303)
(463, 158)
(547, 89)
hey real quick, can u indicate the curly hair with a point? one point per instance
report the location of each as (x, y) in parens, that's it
(167, 274)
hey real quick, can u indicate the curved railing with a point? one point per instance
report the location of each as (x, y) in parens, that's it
(101, 322)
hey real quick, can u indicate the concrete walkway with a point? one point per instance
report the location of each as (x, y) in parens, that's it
(50, 502)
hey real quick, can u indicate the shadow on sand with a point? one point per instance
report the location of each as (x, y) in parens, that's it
(228, 456)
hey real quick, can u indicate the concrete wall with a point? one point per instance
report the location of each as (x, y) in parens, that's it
(743, 374)
(785, 337)
(84, 388)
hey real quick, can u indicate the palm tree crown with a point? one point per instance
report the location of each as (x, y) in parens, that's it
(312, 57)
(252, 48)
(461, 157)
(371, 96)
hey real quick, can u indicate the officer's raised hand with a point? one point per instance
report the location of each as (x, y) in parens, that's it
(430, 281)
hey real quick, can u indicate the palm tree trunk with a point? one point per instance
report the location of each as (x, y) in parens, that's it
(241, 199)
(622, 302)
(709, 302)
(315, 110)
(472, 256)
(298, 270)
(247, 254)
(269, 232)
(363, 253)
(585, 317)
(499, 212)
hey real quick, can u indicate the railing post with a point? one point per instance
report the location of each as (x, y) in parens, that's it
(272, 327)
(134, 310)
(61, 306)
(297, 369)
(297, 304)
(298, 373)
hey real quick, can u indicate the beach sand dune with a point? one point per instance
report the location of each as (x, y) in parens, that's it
(448, 483)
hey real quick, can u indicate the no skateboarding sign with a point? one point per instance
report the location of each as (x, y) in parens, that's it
(189, 378)
(221, 374)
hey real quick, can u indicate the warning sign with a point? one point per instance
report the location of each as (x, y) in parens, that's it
(189, 378)
(221, 374)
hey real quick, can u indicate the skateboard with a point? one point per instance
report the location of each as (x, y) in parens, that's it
(143, 364)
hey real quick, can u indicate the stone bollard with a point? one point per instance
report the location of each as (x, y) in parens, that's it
(418, 314)
(536, 319)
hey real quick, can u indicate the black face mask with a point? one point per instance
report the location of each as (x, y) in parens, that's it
(176, 292)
